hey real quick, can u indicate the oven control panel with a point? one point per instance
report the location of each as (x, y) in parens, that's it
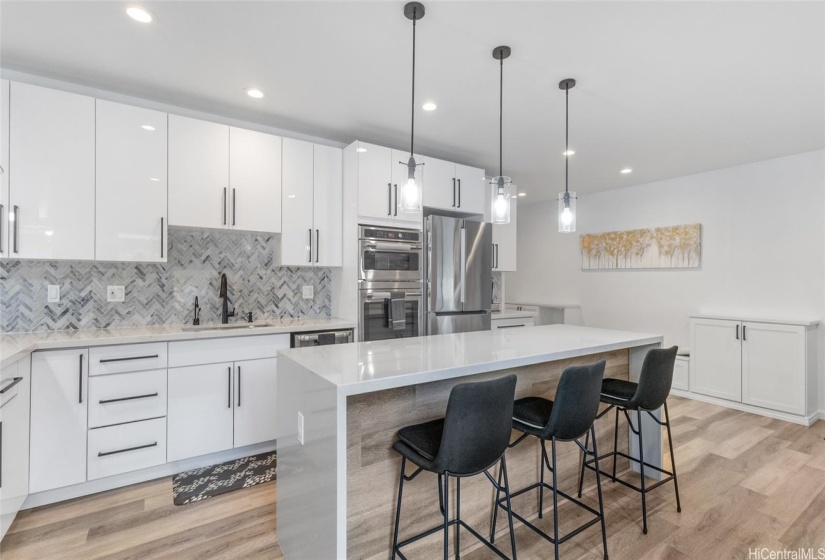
(391, 234)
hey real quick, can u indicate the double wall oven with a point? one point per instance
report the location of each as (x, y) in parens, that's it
(390, 278)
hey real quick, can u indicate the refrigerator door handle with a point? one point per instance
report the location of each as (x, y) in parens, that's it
(463, 265)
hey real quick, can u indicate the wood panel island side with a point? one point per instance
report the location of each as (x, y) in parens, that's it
(339, 408)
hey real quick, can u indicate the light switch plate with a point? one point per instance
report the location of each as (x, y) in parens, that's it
(116, 294)
(300, 428)
(309, 292)
(53, 294)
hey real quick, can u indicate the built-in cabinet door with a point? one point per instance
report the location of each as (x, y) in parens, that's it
(255, 382)
(297, 232)
(471, 186)
(505, 249)
(59, 403)
(375, 196)
(716, 358)
(199, 414)
(130, 200)
(52, 188)
(4, 163)
(440, 184)
(254, 180)
(774, 366)
(327, 205)
(14, 438)
(198, 173)
(400, 174)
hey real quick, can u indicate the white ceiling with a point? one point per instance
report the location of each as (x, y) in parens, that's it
(667, 88)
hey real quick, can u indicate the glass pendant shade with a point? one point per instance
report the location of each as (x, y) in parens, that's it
(502, 191)
(410, 191)
(567, 212)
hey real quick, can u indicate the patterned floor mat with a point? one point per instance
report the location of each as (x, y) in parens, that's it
(203, 483)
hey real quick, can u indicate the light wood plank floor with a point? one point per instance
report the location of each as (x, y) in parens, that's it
(745, 481)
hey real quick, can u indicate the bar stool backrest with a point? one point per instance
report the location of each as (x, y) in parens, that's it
(576, 403)
(477, 426)
(655, 379)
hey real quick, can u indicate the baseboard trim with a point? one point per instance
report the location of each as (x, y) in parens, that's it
(793, 418)
(143, 475)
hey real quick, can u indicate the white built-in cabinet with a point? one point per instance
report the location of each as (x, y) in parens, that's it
(52, 173)
(131, 154)
(4, 164)
(381, 173)
(505, 252)
(454, 187)
(14, 438)
(59, 405)
(312, 199)
(254, 405)
(770, 365)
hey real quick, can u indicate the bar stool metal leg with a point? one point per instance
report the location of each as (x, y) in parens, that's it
(446, 516)
(641, 470)
(509, 508)
(584, 459)
(458, 518)
(398, 507)
(598, 488)
(555, 500)
(615, 442)
(495, 506)
(541, 470)
(672, 459)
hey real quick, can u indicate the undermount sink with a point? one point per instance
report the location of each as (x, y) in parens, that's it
(227, 327)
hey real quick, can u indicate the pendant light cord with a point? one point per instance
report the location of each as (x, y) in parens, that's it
(566, 141)
(412, 126)
(501, 116)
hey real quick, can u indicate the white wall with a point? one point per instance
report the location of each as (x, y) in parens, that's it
(763, 242)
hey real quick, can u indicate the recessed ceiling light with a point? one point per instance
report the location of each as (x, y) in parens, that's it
(290, 196)
(568, 153)
(522, 194)
(361, 150)
(429, 106)
(254, 92)
(148, 127)
(139, 14)
(49, 232)
(626, 170)
(155, 179)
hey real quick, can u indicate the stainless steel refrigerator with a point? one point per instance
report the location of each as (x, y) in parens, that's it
(458, 286)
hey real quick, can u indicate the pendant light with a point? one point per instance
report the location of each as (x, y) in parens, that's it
(567, 199)
(502, 186)
(411, 190)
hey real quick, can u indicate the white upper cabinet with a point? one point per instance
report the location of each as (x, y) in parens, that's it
(504, 242)
(52, 189)
(254, 180)
(198, 173)
(399, 177)
(297, 235)
(472, 189)
(131, 184)
(327, 206)
(440, 185)
(375, 196)
(4, 163)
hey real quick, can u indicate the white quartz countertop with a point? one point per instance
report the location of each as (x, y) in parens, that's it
(13, 347)
(366, 367)
(800, 321)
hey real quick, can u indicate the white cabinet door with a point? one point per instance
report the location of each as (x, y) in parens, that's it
(327, 204)
(4, 163)
(60, 385)
(255, 401)
(472, 189)
(199, 415)
(255, 180)
(681, 373)
(505, 250)
(716, 358)
(198, 173)
(130, 200)
(440, 185)
(375, 197)
(14, 423)
(774, 366)
(297, 234)
(400, 174)
(53, 184)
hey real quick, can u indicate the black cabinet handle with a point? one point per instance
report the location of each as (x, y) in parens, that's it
(510, 326)
(737, 332)
(239, 386)
(14, 381)
(310, 244)
(234, 206)
(389, 199)
(149, 396)
(129, 358)
(459, 193)
(106, 453)
(161, 237)
(229, 387)
(744, 336)
(223, 205)
(453, 192)
(16, 228)
(80, 381)
(395, 206)
(317, 244)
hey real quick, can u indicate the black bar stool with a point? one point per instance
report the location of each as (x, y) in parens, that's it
(567, 418)
(471, 439)
(648, 395)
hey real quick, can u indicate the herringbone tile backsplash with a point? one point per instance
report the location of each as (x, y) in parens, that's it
(162, 294)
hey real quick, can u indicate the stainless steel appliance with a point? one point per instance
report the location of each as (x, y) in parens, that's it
(459, 286)
(379, 320)
(321, 338)
(389, 254)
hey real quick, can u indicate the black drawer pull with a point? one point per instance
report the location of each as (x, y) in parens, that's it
(106, 453)
(109, 360)
(14, 381)
(107, 401)
(511, 326)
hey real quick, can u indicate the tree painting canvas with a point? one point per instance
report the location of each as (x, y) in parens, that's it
(661, 247)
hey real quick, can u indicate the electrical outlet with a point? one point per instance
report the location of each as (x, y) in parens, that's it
(300, 428)
(116, 294)
(309, 292)
(53, 294)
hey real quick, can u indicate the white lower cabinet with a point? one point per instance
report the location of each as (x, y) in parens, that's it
(716, 363)
(14, 438)
(681, 373)
(255, 401)
(127, 397)
(511, 323)
(59, 405)
(126, 447)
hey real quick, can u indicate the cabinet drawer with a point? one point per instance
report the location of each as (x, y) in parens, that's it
(125, 448)
(216, 350)
(127, 397)
(512, 323)
(128, 357)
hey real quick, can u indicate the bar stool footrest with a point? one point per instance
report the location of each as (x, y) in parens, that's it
(440, 527)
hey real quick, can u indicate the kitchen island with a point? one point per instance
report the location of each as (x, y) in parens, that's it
(339, 408)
